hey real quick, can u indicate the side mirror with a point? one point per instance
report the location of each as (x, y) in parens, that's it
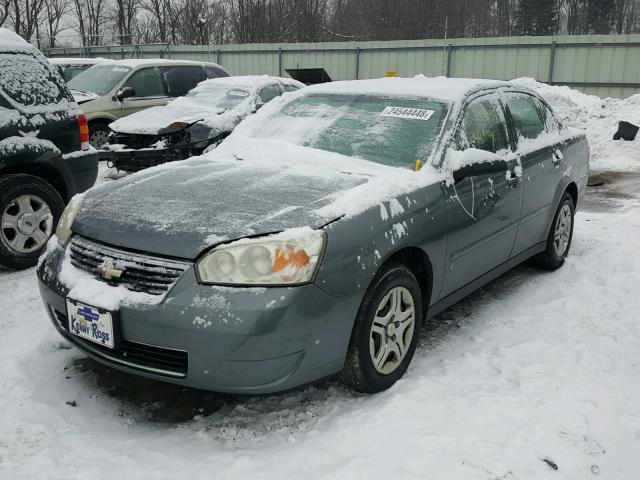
(473, 162)
(125, 92)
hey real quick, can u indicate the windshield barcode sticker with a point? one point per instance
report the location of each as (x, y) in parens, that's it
(412, 113)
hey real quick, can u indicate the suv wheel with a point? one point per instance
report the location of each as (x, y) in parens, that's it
(98, 134)
(385, 333)
(29, 212)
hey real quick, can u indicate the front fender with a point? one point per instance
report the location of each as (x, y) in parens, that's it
(358, 246)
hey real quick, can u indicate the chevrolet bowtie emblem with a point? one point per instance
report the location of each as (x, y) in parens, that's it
(108, 270)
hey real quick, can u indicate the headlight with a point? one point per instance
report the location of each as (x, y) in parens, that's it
(63, 231)
(288, 258)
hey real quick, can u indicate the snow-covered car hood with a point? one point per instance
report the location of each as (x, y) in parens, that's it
(245, 188)
(152, 120)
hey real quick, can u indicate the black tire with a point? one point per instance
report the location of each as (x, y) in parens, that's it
(359, 371)
(550, 259)
(99, 131)
(12, 187)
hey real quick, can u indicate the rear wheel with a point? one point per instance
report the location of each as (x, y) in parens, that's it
(385, 333)
(98, 133)
(29, 212)
(560, 236)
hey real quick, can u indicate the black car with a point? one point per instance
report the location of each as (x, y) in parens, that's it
(45, 157)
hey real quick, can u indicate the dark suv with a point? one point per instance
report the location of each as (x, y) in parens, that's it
(45, 157)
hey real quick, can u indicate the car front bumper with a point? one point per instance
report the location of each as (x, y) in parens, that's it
(130, 160)
(234, 340)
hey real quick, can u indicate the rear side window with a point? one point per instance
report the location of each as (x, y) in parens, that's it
(28, 82)
(526, 114)
(483, 126)
(146, 83)
(269, 93)
(549, 120)
(215, 72)
(290, 88)
(181, 79)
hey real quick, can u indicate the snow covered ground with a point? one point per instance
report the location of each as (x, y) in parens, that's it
(536, 366)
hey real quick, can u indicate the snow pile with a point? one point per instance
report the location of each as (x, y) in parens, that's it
(599, 119)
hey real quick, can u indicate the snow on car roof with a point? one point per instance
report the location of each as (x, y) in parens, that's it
(76, 61)
(11, 42)
(140, 62)
(444, 88)
(248, 81)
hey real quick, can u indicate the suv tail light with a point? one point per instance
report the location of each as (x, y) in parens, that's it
(84, 132)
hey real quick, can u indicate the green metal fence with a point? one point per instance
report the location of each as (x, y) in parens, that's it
(604, 65)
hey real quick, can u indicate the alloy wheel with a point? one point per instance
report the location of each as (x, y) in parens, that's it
(26, 224)
(562, 232)
(392, 330)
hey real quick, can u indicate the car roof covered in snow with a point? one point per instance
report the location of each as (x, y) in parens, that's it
(443, 88)
(250, 82)
(152, 62)
(11, 42)
(76, 61)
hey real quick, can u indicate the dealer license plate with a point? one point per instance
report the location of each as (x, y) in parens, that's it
(89, 323)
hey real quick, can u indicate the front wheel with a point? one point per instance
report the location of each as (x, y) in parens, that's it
(385, 333)
(99, 134)
(29, 212)
(560, 236)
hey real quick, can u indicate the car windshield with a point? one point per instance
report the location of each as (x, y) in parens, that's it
(392, 131)
(99, 79)
(220, 96)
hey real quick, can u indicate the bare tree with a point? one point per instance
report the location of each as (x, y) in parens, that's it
(5, 5)
(124, 18)
(24, 16)
(53, 13)
(91, 18)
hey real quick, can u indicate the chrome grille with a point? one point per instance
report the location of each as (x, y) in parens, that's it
(141, 273)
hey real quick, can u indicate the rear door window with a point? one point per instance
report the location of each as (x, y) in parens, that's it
(146, 83)
(549, 120)
(28, 82)
(290, 88)
(269, 93)
(483, 126)
(182, 78)
(215, 72)
(526, 114)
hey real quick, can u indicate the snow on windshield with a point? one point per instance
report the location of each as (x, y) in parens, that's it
(392, 131)
(99, 79)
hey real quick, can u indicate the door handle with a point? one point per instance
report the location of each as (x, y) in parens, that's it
(557, 158)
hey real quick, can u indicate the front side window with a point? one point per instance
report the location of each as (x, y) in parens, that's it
(483, 126)
(393, 131)
(526, 114)
(99, 79)
(180, 79)
(146, 83)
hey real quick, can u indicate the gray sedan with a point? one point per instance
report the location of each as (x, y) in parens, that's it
(318, 237)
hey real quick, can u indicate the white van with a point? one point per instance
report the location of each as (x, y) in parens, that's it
(115, 89)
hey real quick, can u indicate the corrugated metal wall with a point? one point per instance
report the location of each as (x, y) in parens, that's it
(604, 65)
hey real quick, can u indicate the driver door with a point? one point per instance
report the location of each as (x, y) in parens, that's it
(483, 211)
(150, 91)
